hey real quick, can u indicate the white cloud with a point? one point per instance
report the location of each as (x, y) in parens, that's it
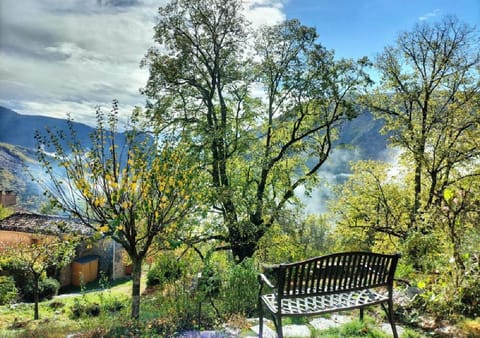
(72, 55)
(430, 15)
(264, 12)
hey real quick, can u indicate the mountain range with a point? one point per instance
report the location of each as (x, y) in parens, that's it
(359, 139)
(20, 129)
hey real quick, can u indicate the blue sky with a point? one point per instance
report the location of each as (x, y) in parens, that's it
(59, 56)
(356, 28)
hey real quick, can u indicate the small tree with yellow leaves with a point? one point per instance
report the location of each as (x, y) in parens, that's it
(135, 187)
(39, 255)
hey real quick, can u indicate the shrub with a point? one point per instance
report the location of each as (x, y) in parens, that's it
(77, 309)
(471, 327)
(92, 310)
(8, 290)
(166, 269)
(24, 282)
(451, 291)
(209, 282)
(471, 298)
(47, 288)
(241, 288)
(108, 301)
(83, 308)
(56, 304)
(354, 328)
(17, 270)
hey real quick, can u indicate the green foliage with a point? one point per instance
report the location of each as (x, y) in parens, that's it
(257, 152)
(103, 303)
(32, 261)
(470, 296)
(471, 327)
(81, 309)
(47, 288)
(372, 208)
(8, 290)
(428, 97)
(13, 267)
(5, 212)
(166, 269)
(296, 237)
(184, 306)
(447, 297)
(240, 289)
(107, 300)
(209, 280)
(140, 190)
(278, 246)
(210, 291)
(18, 270)
(354, 328)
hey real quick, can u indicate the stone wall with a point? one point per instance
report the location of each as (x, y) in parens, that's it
(8, 198)
(11, 238)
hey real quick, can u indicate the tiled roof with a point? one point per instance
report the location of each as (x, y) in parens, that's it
(43, 224)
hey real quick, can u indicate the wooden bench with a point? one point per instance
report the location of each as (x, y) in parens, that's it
(332, 283)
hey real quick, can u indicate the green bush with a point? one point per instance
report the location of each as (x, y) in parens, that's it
(471, 298)
(241, 288)
(354, 328)
(8, 290)
(209, 281)
(165, 270)
(17, 270)
(83, 308)
(47, 288)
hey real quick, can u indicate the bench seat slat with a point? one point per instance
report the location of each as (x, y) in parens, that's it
(325, 303)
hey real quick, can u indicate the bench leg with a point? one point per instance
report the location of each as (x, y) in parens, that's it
(260, 327)
(389, 312)
(278, 326)
(361, 314)
(260, 316)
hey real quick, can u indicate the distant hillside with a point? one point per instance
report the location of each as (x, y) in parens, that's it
(364, 134)
(18, 158)
(20, 129)
(359, 139)
(17, 165)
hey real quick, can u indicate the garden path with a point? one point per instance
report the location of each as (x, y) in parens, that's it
(293, 330)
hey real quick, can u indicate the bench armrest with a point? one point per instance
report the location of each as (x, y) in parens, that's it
(262, 279)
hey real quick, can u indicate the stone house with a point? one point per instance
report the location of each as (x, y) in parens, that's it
(103, 255)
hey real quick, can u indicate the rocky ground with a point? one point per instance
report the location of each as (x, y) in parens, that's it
(297, 331)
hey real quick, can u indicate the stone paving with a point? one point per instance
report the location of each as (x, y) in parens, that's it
(298, 331)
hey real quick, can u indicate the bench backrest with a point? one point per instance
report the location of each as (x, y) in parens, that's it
(336, 273)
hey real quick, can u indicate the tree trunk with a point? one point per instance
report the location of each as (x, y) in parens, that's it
(243, 239)
(136, 277)
(35, 297)
(417, 194)
(241, 251)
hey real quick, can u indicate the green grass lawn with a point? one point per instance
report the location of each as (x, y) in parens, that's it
(106, 311)
(57, 316)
